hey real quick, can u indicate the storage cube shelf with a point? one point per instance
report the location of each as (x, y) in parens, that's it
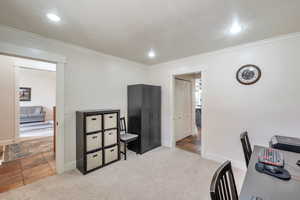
(97, 139)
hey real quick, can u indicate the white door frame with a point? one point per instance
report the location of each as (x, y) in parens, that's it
(60, 61)
(172, 102)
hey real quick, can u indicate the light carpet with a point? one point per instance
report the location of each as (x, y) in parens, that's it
(161, 174)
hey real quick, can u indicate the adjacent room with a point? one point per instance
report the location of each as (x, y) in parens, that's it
(37, 102)
(187, 114)
(28, 145)
(107, 99)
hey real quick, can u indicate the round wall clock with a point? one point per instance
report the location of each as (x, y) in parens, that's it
(248, 74)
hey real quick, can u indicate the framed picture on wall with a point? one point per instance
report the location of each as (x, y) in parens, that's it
(25, 94)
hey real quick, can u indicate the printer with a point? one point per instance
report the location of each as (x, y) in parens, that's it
(285, 143)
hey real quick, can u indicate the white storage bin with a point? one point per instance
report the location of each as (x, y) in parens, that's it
(93, 123)
(110, 137)
(111, 154)
(110, 121)
(93, 160)
(93, 141)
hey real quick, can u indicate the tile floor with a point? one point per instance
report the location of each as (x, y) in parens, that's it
(14, 174)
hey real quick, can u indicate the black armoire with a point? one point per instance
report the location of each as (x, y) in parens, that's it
(144, 116)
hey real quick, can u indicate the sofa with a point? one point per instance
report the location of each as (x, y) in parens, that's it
(29, 114)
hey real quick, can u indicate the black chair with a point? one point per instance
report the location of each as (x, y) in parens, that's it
(223, 185)
(246, 147)
(125, 137)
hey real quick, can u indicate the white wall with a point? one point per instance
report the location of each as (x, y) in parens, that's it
(34, 64)
(7, 103)
(92, 80)
(43, 88)
(271, 106)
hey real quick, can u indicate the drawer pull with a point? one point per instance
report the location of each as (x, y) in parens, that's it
(109, 133)
(94, 119)
(94, 156)
(94, 137)
(112, 150)
(110, 116)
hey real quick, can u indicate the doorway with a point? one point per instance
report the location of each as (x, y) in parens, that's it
(187, 112)
(37, 95)
(28, 151)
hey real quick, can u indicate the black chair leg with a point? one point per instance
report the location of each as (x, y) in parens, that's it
(125, 150)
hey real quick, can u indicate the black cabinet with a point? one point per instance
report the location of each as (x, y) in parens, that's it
(144, 116)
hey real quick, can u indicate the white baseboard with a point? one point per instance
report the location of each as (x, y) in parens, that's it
(221, 159)
(70, 166)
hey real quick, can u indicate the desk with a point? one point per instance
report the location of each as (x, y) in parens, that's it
(268, 187)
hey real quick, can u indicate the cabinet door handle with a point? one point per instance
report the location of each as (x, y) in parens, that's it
(94, 119)
(94, 137)
(109, 133)
(112, 150)
(110, 117)
(94, 156)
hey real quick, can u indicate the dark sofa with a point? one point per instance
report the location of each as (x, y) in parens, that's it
(29, 114)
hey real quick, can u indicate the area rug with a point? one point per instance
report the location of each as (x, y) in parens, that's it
(36, 126)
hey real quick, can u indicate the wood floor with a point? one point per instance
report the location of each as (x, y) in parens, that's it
(191, 143)
(24, 171)
(27, 148)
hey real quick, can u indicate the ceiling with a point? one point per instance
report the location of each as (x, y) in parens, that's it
(172, 28)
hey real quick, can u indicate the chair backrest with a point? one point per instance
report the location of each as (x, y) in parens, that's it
(123, 125)
(223, 185)
(246, 147)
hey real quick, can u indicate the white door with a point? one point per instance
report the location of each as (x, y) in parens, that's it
(7, 103)
(183, 109)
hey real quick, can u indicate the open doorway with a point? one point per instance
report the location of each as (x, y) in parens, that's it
(37, 90)
(187, 115)
(28, 147)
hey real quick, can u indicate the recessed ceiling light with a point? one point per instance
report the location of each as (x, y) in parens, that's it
(151, 54)
(53, 17)
(235, 28)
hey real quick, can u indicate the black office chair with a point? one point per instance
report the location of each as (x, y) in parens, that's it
(246, 147)
(125, 137)
(223, 185)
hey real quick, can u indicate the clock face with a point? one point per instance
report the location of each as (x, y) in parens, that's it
(248, 74)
